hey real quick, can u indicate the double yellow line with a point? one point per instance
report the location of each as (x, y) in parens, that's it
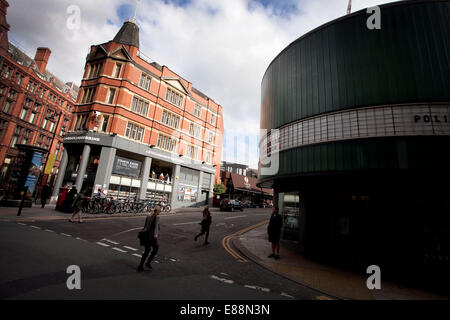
(226, 241)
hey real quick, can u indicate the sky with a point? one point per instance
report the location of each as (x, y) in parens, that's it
(223, 47)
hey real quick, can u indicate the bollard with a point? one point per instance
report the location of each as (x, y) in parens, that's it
(23, 200)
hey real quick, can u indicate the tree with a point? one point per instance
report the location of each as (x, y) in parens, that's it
(219, 188)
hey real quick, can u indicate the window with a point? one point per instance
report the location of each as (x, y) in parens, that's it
(210, 137)
(139, 106)
(145, 81)
(23, 113)
(44, 124)
(36, 107)
(166, 143)
(26, 136)
(52, 126)
(80, 123)
(208, 157)
(88, 95)
(58, 147)
(7, 106)
(12, 94)
(2, 90)
(64, 126)
(191, 152)
(134, 132)
(31, 87)
(213, 119)
(32, 117)
(8, 73)
(40, 140)
(112, 93)
(198, 110)
(194, 130)
(43, 93)
(170, 119)
(20, 80)
(3, 125)
(95, 70)
(105, 123)
(17, 133)
(174, 97)
(117, 70)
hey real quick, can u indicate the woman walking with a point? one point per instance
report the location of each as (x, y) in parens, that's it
(274, 231)
(149, 238)
(78, 206)
(206, 222)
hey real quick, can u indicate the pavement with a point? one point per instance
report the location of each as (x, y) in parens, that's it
(330, 280)
(49, 213)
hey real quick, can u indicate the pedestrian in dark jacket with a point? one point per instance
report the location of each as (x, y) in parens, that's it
(274, 232)
(149, 238)
(206, 223)
(45, 194)
(78, 205)
(68, 200)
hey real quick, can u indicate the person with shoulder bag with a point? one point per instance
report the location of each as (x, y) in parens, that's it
(205, 223)
(148, 237)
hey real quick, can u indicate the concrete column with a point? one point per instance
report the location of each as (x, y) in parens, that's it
(211, 191)
(144, 178)
(199, 188)
(175, 179)
(105, 166)
(60, 177)
(82, 167)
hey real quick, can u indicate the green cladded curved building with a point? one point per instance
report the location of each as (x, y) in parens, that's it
(358, 137)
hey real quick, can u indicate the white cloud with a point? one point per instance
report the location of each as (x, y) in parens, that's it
(222, 47)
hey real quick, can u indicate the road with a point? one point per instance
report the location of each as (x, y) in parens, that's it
(35, 256)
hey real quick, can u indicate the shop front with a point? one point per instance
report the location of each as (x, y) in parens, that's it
(126, 170)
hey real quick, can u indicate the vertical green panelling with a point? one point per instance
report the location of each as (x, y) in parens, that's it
(404, 61)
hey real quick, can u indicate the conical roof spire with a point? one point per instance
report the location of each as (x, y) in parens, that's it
(128, 34)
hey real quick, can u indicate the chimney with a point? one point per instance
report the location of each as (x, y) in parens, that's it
(41, 58)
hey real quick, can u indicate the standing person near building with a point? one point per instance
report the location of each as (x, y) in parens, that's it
(274, 232)
(45, 194)
(206, 223)
(78, 206)
(149, 238)
(68, 200)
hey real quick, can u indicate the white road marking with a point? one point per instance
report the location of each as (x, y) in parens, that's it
(173, 260)
(117, 249)
(48, 230)
(286, 295)
(103, 244)
(36, 227)
(113, 242)
(184, 223)
(235, 217)
(257, 288)
(78, 238)
(65, 234)
(222, 279)
(137, 255)
(22, 224)
(223, 273)
(140, 228)
(130, 248)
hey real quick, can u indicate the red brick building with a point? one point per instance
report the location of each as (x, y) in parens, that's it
(35, 106)
(141, 130)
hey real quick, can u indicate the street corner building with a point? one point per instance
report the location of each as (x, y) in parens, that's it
(140, 130)
(357, 146)
(35, 111)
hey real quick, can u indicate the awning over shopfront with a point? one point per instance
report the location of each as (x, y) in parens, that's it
(248, 184)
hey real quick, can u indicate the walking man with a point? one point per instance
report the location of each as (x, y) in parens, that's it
(274, 231)
(45, 194)
(149, 238)
(206, 223)
(78, 205)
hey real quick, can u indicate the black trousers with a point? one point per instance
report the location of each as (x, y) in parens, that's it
(202, 233)
(153, 244)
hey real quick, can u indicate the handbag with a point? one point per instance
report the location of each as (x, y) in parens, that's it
(143, 237)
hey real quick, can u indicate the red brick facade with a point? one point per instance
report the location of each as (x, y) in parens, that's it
(35, 107)
(123, 94)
